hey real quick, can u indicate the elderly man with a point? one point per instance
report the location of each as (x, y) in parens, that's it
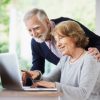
(43, 45)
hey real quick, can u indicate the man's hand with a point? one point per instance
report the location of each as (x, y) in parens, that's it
(44, 84)
(29, 74)
(95, 52)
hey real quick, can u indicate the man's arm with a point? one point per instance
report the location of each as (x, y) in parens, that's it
(94, 40)
(38, 61)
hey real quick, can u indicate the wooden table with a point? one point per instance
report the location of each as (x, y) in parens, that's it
(26, 95)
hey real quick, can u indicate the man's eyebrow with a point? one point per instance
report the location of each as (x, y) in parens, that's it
(35, 26)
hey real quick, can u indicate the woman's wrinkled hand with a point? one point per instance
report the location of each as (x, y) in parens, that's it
(44, 84)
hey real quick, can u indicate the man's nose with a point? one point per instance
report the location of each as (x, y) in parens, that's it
(33, 33)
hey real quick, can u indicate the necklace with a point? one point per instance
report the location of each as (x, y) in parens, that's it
(73, 60)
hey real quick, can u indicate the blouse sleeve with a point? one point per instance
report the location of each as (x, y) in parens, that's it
(55, 75)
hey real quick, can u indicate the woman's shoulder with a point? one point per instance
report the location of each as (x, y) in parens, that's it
(90, 58)
(63, 59)
(91, 63)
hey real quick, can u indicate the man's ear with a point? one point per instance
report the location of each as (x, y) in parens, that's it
(47, 21)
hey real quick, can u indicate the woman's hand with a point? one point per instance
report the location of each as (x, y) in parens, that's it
(44, 84)
(95, 52)
(29, 74)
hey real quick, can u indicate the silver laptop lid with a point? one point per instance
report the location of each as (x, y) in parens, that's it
(9, 70)
(11, 76)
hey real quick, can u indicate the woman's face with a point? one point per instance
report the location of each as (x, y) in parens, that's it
(65, 44)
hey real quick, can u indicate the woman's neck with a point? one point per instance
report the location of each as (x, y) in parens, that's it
(77, 53)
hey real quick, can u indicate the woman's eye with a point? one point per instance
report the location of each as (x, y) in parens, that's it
(61, 37)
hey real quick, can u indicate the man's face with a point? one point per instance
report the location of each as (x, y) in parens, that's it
(37, 28)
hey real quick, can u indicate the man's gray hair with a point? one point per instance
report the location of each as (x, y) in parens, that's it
(35, 12)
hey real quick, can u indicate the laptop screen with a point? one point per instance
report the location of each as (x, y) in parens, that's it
(9, 71)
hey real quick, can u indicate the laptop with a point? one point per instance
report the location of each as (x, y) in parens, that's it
(11, 74)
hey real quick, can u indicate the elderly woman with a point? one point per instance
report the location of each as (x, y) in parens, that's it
(77, 75)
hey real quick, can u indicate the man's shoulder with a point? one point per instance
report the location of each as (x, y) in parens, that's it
(33, 42)
(60, 19)
(36, 44)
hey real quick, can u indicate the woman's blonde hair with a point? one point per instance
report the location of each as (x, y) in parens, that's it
(72, 29)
